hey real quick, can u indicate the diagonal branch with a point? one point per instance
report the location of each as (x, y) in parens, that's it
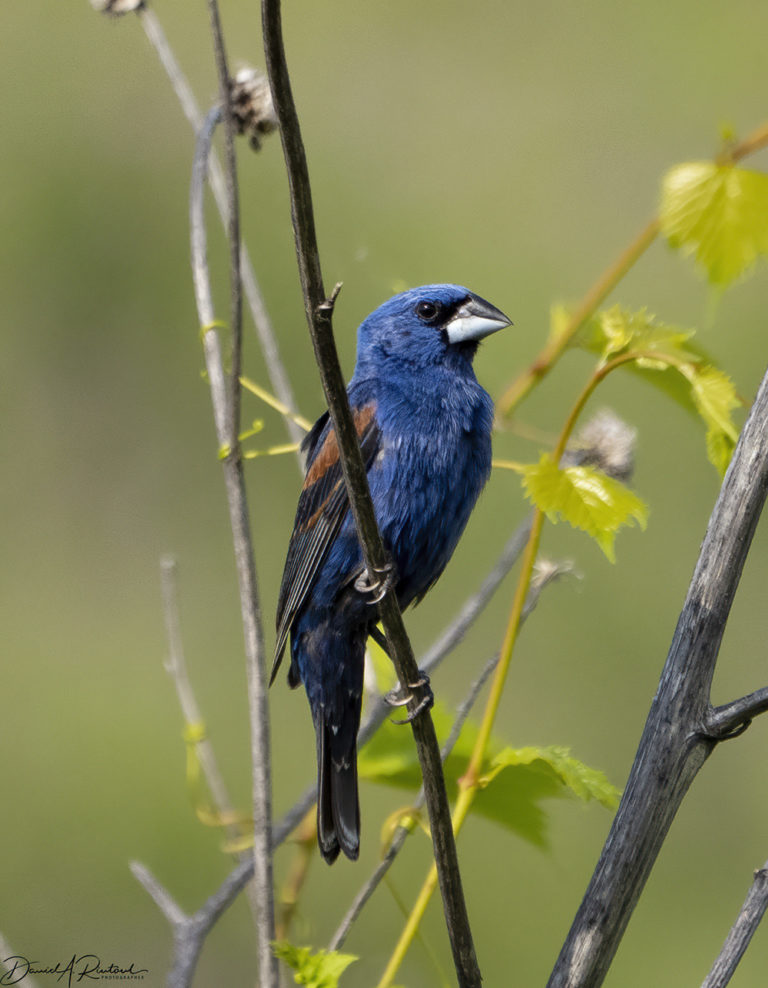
(741, 932)
(675, 742)
(724, 721)
(319, 311)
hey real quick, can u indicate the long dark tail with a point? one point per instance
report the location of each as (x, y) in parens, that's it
(338, 806)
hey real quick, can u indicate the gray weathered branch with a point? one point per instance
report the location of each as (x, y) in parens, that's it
(677, 738)
(741, 932)
(731, 718)
(246, 571)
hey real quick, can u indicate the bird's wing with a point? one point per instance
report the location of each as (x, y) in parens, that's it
(322, 506)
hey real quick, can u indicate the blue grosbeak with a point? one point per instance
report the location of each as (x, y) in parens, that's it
(424, 425)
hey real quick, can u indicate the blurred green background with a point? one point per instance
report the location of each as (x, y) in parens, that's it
(515, 148)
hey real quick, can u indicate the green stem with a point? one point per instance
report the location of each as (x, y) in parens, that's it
(596, 295)
(471, 781)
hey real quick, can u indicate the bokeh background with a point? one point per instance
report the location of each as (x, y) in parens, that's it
(513, 147)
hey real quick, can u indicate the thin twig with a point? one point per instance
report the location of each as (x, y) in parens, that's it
(319, 311)
(160, 895)
(473, 607)
(741, 932)
(246, 571)
(176, 667)
(265, 331)
(232, 225)
(724, 721)
(189, 932)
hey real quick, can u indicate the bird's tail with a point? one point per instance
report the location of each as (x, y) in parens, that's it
(338, 806)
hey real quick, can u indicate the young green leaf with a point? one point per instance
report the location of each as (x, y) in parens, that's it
(720, 448)
(514, 780)
(519, 778)
(316, 970)
(671, 360)
(616, 330)
(584, 497)
(718, 213)
(715, 397)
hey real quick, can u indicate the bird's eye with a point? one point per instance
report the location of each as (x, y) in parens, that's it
(428, 311)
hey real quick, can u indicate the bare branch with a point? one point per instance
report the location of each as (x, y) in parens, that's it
(189, 932)
(246, 570)
(724, 721)
(319, 309)
(473, 607)
(267, 340)
(675, 742)
(741, 932)
(176, 667)
(232, 225)
(160, 895)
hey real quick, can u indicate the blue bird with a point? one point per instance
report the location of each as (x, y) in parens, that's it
(424, 425)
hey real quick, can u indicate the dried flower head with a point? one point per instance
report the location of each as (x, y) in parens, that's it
(547, 570)
(607, 443)
(116, 7)
(252, 105)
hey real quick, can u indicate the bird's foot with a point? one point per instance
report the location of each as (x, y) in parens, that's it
(395, 698)
(385, 580)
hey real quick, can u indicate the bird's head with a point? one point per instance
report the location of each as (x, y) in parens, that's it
(428, 325)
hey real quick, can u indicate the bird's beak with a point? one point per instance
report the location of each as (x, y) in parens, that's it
(474, 320)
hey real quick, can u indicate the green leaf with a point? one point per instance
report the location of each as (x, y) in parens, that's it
(682, 369)
(715, 398)
(641, 331)
(317, 970)
(718, 213)
(520, 777)
(514, 780)
(616, 330)
(719, 450)
(584, 497)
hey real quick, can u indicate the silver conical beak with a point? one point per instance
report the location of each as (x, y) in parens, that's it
(474, 320)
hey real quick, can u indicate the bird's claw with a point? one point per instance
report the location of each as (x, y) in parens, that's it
(394, 699)
(378, 587)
